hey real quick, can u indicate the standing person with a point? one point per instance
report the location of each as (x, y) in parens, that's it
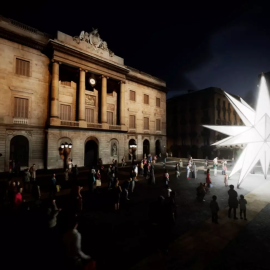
(33, 173)
(136, 171)
(72, 243)
(26, 181)
(132, 178)
(214, 209)
(125, 187)
(76, 198)
(242, 203)
(152, 173)
(116, 195)
(109, 175)
(98, 180)
(91, 181)
(141, 168)
(17, 200)
(233, 202)
(225, 167)
(215, 165)
(226, 179)
(164, 163)
(123, 161)
(208, 180)
(36, 191)
(53, 187)
(145, 170)
(188, 171)
(201, 192)
(166, 177)
(177, 170)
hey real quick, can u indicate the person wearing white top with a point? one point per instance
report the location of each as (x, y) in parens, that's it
(72, 242)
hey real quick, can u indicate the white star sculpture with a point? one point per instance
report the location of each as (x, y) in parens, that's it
(255, 134)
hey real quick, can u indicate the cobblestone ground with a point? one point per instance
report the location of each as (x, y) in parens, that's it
(120, 240)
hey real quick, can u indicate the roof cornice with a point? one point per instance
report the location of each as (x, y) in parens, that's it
(58, 46)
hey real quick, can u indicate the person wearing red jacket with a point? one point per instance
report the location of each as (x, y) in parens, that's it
(17, 199)
(208, 180)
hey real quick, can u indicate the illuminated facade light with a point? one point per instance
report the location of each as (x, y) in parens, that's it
(255, 134)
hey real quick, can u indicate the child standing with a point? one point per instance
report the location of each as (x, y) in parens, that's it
(214, 209)
(226, 179)
(242, 202)
(166, 177)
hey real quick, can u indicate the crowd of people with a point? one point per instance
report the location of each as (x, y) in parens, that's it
(163, 212)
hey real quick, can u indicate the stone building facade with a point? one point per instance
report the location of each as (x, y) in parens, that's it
(73, 89)
(187, 113)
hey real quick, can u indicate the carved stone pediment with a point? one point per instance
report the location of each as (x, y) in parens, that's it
(110, 107)
(90, 100)
(94, 39)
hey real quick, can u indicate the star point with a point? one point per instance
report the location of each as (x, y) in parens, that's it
(255, 133)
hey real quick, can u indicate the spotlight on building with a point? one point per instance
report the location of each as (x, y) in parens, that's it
(70, 145)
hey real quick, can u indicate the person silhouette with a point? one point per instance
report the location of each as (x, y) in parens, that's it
(233, 202)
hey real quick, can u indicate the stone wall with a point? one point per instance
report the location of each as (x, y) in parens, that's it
(35, 88)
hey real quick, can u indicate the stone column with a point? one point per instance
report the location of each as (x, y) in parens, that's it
(82, 98)
(55, 94)
(122, 103)
(104, 100)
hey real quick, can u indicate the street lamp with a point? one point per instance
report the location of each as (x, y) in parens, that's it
(64, 151)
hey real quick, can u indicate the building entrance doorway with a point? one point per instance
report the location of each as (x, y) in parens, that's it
(91, 153)
(146, 147)
(19, 150)
(158, 147)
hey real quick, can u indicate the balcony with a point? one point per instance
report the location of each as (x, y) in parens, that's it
(22, 121)
(115, 127)
(69, 123)
(94, 125)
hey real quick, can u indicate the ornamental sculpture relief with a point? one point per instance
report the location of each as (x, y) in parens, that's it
(94, 39)
(114, 150)
(110, 107)
(90, 100)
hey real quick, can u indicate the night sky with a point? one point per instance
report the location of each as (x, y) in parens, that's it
(190, 46)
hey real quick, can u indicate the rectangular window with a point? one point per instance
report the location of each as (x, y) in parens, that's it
(21, 108)
(146, 99)
(22, 67)
(65, 112)
(132, 121)
(158, 102)
(158, 124)
(132, 95)
(146, 123)
(89, 115)
(110, 118)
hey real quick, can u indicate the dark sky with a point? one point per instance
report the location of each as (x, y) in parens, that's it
(190, 46)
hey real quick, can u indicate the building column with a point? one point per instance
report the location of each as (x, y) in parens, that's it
(82, 122)
(122, 103)
(55, 94)
(104, 100)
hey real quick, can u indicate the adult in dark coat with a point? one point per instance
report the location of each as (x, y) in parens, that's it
(233, 202)
(91, 181)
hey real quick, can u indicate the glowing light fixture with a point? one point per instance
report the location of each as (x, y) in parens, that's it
(255, 134)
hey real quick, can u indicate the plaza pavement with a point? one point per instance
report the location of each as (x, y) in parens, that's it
(123, 240)
(201, 247)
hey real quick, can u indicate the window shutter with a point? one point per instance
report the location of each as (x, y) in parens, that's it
(158, 102)
(89, 115)
(132, 95)
(21, 107)
(132, 121)
(146, 99)
(146, 123)
(22, 67)
(110, 118)
(158, 124)
(65, 112)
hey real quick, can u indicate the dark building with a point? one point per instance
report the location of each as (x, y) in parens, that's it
(187, 113)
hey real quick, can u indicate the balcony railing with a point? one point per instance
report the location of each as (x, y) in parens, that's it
(69, 123)
(115, 127)
(94, 125)
(23, 121)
